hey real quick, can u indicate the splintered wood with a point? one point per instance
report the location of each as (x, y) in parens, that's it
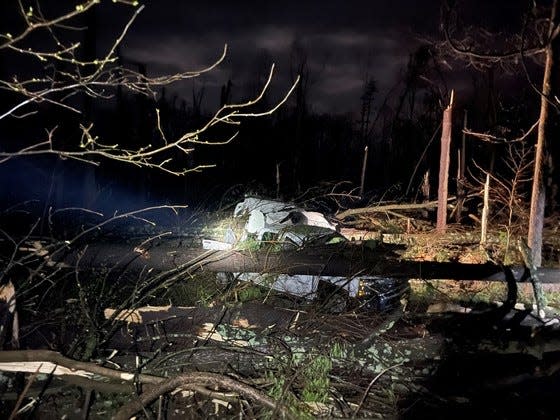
(444, 167)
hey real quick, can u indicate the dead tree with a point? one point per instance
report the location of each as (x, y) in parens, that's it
(536, 218)
(538, 38)
(444, 167)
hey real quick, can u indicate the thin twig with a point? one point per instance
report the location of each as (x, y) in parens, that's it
(373, 381)
(192, 381)
(24, 393)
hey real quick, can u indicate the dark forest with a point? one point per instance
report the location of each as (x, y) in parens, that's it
(338, 211)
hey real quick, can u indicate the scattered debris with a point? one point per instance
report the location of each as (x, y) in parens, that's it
(276, 222)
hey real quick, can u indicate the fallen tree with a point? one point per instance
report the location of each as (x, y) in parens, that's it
(255, 341)
(350, 260)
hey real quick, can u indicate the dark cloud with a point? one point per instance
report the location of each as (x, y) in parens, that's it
(343, 41)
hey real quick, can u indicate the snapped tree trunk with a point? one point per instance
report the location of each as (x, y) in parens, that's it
(363, 175)
(485, 211)
(444, 167)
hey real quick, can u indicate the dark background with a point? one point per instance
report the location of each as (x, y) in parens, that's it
(355, 58)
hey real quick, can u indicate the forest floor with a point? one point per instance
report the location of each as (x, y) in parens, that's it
(451, 351)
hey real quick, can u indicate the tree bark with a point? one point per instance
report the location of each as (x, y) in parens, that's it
(326, 261)
(536, 217)
(444, 167)
(485, 211)
(363, 175)
(461, 161)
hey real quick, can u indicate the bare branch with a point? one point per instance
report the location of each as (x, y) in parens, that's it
(41, 23)
(98, 78)
(474, 45)
(199, 379)
(495, 139)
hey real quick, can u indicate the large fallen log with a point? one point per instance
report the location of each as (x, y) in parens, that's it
(386, 208)
(330, 260)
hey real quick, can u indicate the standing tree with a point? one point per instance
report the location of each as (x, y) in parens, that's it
(537, 39)
(551, 47)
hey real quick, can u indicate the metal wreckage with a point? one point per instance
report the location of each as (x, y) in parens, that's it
(284, 226)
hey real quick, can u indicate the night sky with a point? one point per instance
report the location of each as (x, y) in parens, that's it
(344, 42)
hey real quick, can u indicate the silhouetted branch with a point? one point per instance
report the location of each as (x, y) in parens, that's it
(97, 78)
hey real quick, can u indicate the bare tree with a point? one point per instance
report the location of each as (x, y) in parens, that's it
(60, 75)
(536, 217)
(52, 71)
(368, 94)
(537, 39)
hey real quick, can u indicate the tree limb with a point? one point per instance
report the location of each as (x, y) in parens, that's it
(192, 381)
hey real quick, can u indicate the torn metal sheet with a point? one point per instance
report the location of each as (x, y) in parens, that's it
(276, 217)
(300, 285)
(284, 224)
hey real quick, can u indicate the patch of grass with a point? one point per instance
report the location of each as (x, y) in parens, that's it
(441, 255)
(280, 380)
(197, 290)
(301, 380)
(553, 299)
(315, 376)
(251, 243)
(249, 292)
(338, 350)
(423, 292)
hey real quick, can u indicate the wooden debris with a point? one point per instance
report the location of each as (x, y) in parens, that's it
(9, 322)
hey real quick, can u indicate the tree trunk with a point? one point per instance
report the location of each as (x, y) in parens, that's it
(461, 161)
(485, 211)
(536, 218)
(321, 261)
(363, 175)
(444, 167)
